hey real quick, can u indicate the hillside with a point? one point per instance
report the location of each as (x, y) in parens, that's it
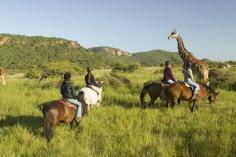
(154, 57)
(19, 52)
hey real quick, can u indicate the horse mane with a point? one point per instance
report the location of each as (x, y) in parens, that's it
(148, 83)
(208, 88)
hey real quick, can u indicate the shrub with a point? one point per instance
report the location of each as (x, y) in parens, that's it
(60, 67)
(33, 73)
(114, 80)
(223, 78)
(124, 68)
(53, 69)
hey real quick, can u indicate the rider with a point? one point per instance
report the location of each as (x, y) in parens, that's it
(168, 76)
(90, 79)
(188, 77)
(67, 92)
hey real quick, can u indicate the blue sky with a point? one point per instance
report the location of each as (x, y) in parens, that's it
(208, 27)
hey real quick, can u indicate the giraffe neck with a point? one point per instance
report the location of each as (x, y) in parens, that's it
(180, 43)
(183, 52)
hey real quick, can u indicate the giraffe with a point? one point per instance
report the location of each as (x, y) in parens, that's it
(223, 64)
(198, 66)
(2, 77)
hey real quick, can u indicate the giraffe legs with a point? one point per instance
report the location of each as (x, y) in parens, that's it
(3, 80)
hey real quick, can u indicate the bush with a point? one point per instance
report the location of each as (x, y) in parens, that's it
(60, 67)
(223, 78)
(124, 68)
(53, 69)
(114, 80)
(33, 73)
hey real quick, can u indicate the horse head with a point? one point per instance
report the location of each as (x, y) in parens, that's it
(212, 94)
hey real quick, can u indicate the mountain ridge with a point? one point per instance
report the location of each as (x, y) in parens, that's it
(21, 52)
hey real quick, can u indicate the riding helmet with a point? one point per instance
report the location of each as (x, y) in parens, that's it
(67, 76)
(89, 69)
(167, 63)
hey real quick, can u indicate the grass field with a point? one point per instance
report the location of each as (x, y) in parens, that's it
(119, 127)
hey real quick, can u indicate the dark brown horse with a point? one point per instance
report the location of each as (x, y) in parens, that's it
(181, 91)
(154, 91)
(59, 111)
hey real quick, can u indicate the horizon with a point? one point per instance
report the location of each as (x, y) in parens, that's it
(132, 26)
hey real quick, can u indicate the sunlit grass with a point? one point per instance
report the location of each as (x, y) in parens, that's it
(119, 127)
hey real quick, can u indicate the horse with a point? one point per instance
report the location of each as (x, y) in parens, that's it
(154, 91)
(91, 95)
(182, 91)
(58, 111)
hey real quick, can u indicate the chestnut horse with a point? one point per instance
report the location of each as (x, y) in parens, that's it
(154, 91)
(180, 90)
(59, 111)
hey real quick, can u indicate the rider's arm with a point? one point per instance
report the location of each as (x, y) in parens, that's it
(191, 74)
(72, 91)
(93, 81)
(88, 78)
(171, 75)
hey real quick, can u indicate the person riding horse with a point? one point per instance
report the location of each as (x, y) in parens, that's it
(168, 77)
(189, 79)
(67, 92)
(90, 79)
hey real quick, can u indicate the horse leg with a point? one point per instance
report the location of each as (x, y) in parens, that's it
(173, 104)
(166, 104)
(179, 101)
(51, 121)
(192, 108)
(4, 81)
(151, 103)
(73, 123)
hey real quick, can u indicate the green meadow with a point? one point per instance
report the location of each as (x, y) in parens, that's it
(119, 127)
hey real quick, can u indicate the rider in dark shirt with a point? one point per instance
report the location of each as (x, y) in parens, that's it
(67, 92)
(168, 76)
(89, 78)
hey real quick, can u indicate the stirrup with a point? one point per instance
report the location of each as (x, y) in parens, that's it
(194, 97)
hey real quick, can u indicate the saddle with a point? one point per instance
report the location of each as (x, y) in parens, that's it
(187, 85)
(65, 102)
(91, 87)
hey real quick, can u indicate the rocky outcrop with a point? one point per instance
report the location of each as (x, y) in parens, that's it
(113, 51)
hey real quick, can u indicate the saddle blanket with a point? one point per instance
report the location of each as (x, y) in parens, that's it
(63, 101)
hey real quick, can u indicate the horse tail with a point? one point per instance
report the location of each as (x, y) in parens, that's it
(47, 124)
(82, 101)
(142, 95)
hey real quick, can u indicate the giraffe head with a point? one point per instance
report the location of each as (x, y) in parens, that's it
(173, 35)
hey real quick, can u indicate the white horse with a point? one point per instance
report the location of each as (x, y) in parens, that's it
(91, 95)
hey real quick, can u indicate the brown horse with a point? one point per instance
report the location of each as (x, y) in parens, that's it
(180, 90)
(154, 91)
(59, 111)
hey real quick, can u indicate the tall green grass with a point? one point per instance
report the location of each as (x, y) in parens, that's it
(119, 127)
